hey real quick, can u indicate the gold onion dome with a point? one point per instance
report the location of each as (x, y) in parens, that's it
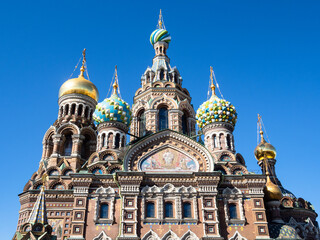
(264, 150)
(271, 190)
(79, 85)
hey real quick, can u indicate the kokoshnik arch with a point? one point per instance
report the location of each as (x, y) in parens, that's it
(166, 183)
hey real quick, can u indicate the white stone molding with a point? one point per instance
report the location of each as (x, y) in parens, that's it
(170, 236)
(151, 235)
(189, 236)
(102, 236)
(233, 196)
(237, 236)
(104, 196)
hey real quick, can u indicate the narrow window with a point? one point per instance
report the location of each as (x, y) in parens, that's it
(68, 145)
(150, 210)
(161, 74)
(142, 123)
(123, 142)
(163, 118)
(80, 110)
(103, 140)
(117, 140)
(184, 123)
(228, 141)
(214, 141)
(187, 210)
(104, 209)
(67, 110)
(86, 111)
(73, 109)
(233, 211)
(168, 210)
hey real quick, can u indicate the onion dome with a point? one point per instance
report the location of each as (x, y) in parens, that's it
(80, 85)
(160, 34)
(272, 191)
(113, 109)
(216, 110)
(264, 150)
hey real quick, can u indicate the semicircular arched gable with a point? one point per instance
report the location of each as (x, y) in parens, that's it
(182, 152)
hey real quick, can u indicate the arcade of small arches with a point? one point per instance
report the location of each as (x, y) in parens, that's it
(220, 140)
(111, 139)
(76, 109)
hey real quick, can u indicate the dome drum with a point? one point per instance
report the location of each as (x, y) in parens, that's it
(217, 126)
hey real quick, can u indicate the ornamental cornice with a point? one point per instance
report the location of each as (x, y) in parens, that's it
(216, 125)
(114, 124)
(77, 96)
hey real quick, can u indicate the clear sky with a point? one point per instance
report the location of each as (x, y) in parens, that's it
(265, 55)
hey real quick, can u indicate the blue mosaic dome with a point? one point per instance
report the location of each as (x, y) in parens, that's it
(112, 109)
(216, 110)
(160, 35)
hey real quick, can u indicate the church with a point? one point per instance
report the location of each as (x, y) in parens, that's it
(156, 170)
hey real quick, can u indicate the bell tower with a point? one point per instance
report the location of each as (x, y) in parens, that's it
(161, 102)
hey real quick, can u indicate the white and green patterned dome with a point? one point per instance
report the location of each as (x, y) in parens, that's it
(216, 110)
(113, 109)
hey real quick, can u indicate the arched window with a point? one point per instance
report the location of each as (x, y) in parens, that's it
(61, 111)
(184, 123)
(142, 123)
(150, 210)
(80, 110)
(86, 111)
(168, 210)
(73, 109)
(103, 140)
(123, 142)
(228, 141)
(85, 147)
(67, 110)
(117, 141)
(68, 145)
(163, 118)
(187, 210)
(214, 141)
(104, 210)
(233, 211)
(161, 74)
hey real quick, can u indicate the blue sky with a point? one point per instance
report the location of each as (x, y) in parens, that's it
(265, 55)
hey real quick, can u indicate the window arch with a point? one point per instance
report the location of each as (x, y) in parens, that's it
(103, 141)
(228, 141)
(66, 110)
(142, 123)
(104, 210)
(86, 112)
(184, 122)
(68, 145)
(187, 210)
(150, 210)
(163, 118)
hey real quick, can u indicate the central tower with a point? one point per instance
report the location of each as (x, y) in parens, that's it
(161, 102)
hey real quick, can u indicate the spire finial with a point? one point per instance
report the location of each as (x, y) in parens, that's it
(213, 87)
(260, 127)
(115, 84)
(160, 21)
(83, 67)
